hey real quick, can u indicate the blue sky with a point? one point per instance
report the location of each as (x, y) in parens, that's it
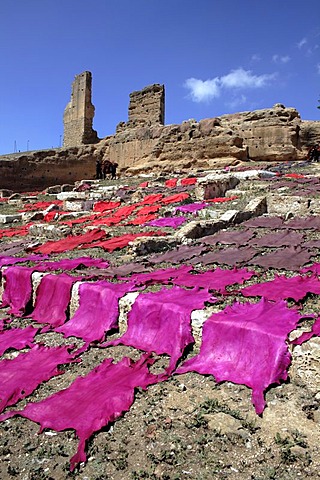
(214, 57)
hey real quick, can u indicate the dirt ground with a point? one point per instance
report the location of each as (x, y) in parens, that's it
(188, 427)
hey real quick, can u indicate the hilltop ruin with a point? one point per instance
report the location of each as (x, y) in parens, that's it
(144, 144)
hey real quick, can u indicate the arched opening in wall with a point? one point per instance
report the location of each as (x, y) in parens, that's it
(191, 134)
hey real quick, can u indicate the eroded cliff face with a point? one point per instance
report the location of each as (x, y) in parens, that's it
(275, 134)
(263, 135)
(40, 169)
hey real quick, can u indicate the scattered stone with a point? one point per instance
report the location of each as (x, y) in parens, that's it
(51, 232)
(10, 218)
(71, 195)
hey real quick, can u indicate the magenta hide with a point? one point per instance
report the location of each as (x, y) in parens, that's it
(282, 287)
(22, 375)
(246, 344)
(315, 332)
(216, 279)
(52, 300)
(91, 402)
(98, 310)
(159, 276)
(17, 338)
(160, 322)
(17, 291)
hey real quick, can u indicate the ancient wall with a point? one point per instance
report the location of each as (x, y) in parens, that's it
(147, 106)
(44, 168)
(79, 113)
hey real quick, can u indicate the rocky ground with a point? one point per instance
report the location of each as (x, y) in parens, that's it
(188, 427)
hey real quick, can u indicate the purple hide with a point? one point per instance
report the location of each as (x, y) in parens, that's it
(245, 344)
(98, 311)
(159, 276)
(281, 288)
(91, 402)
(22, 375)
(72, 263)
(191, 207)
(161, 322)
(216, 279)
(172, 222)
(17, 338)
(53, 297)
(18, 289)
(288, 258)
(7, 260)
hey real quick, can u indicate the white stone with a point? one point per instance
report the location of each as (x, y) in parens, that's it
(125, 304)
(74, 300)
(10, 218)
(73, 205)
(229, 216)
(71, 195)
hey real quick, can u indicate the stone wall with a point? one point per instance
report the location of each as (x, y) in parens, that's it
(274, 134)
(147, 106)
(44, 168)
(79, 113)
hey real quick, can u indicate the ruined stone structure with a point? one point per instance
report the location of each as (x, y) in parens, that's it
(147, 106)
(79, 113)
(144, 144)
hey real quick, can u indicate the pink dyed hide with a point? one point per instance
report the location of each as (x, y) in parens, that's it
(281, 288)
(245, 344)
(17, 291)
(22, 375)
(17, 338)
(216, 279)
(161, 322)
(7, 260)
(52, 300)
(91, 402)
(315, 332)
(98, 311)
(72, 263)
(315, 268)
(172, 222)
(159, 276)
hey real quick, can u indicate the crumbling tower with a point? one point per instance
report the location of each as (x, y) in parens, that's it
(147, 106)
(79, 113)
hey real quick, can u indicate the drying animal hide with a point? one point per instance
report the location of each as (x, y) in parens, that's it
(91, 402)
(246, 344)
(161, 322)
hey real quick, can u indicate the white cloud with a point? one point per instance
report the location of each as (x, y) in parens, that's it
(318, 68)
(281, 59)
(202, 91)
(206, 90)
(302, 42)
(241, 78)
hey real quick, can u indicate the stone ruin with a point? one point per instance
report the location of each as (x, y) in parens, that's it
(146, 107)
(144, 144)
(79, 113)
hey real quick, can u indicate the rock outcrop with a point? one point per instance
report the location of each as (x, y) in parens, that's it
(144, 144)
